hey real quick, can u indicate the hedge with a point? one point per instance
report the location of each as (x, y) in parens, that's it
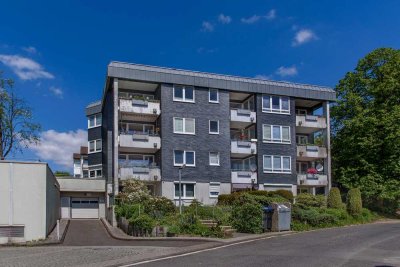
(354, 202)
(334, 199)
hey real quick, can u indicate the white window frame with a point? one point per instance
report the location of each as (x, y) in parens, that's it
(95, 145)
(280, 141)
(95, 173)
(97, 120)
(211, 188)
(184, 158)
(184, 125)
(183, 94)
(209, 159)
(277, 111)
(209, 95)
(209, 127)
(283, 171)
(184, 190)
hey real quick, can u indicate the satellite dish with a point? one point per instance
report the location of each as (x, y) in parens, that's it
(319, 167)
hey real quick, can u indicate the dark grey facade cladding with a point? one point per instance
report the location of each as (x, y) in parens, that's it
(94, 158)
(94, 133)
(108, 135)
(202, 142)
(276, 149)
(93, 108)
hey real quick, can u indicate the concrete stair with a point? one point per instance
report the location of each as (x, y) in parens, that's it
(226, 229)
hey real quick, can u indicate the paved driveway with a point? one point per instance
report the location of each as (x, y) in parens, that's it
(93, 233)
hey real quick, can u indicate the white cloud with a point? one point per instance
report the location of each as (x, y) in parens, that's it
(25, 68)
(304, 36)
(271, 14)
(207, 26)
(224, 19)
(59, 146)
(286, 71)
(58, 92)
(30, 49)
(263, 77)
(251, 20)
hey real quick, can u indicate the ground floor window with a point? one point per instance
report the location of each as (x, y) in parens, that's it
(187, 190)
(214, 189)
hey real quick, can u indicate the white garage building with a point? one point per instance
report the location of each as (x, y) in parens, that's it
(82, 198)
(29, 201)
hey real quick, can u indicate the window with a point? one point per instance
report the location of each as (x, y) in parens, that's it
(214, 127)
(184, 157)
(276, 134)
(213, 96)
(214, 189)
(187, 190)
(95, 146)
(302, 139)
(184, 126)
(275, 104)
(183, 93)
(95, 173)
(94, 121)
(214, 158)
(277, 164)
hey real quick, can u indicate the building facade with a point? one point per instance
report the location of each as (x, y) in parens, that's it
(81, 163)
(224, 133)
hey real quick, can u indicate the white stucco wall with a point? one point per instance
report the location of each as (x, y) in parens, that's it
(28, 196)
(202, 193)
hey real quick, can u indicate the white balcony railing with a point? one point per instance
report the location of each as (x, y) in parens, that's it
(311, 152)
(144, 107)
(243, 147)
(309, 123)
(243, 115)
(140, 141)
(243, 177)
(148, 173)
(312, 179)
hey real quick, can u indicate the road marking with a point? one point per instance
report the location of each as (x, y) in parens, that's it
(203, 250)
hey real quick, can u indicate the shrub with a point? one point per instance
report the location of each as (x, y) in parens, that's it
(133, 191)
(128, 210)
(334, 199)
(306, 200)
(247, 217)
(227, 199)
(159, 206)
(284, 193)
(354, 202)
(316, 217)
(259, 193)
(142, 225)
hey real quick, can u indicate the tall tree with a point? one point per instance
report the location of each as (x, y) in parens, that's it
(17, 130)
(366, 128)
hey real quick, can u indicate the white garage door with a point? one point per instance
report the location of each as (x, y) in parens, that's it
(84, 208)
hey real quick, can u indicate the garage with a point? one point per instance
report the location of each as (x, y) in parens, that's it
(84, 208)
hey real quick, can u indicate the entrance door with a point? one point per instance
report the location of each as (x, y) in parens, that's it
(84, 208)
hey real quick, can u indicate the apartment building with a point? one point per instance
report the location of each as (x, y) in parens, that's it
(223, 133)
(81, 163)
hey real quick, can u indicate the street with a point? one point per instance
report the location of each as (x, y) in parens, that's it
(364, 245)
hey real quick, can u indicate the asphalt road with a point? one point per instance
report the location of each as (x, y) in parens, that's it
(363, 245)
(93, 233)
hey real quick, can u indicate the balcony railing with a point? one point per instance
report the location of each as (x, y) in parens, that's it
(141, 172)
(243, 116)
(243, 176)
(311, 152)
(144, 107)
(244, 147)
(312, 179)
(141, 140)
(310, 123)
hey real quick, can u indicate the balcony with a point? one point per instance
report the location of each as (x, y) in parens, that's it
(312, 179)
(143, 173)
(306, 124)
(243, 148)
(241, 118)
(139, 142)
(311, 152)
(139, 110)
(243, 177)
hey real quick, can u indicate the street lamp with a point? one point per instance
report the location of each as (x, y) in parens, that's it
(180, 188)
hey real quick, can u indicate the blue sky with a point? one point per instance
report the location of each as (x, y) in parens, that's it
(58, 51)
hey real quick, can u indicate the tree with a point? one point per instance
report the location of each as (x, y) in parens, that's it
(354, 202)
(16, 127)
(366, 129)
(61, 173)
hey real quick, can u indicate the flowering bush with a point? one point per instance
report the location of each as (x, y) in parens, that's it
(134, 191)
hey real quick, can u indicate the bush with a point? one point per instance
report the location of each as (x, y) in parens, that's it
(354, 202)
(159, 207)
(285, 194)
(306, 200)
(259, 193)
(133, 191)
(227, 199)
(314, 216)
(334, 199)
(247, 217)
(128, 210)
(142, 225)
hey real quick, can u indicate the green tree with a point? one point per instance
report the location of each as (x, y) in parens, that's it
(61, 173)
(366, 128)
(354, 202)
(17, 129)
(334, 199)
